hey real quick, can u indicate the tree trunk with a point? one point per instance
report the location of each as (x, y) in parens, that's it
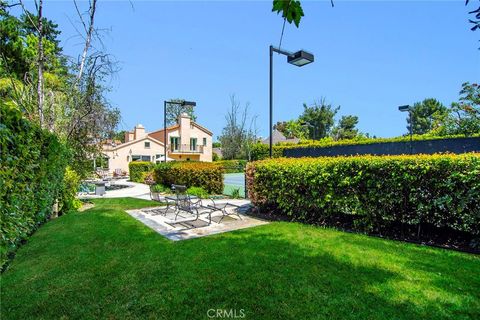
(88, 38)
(40, 64)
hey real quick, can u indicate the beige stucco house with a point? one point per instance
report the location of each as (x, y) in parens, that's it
(186, 141)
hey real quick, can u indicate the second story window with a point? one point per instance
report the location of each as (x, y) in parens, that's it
(204, 141)
(147, 145)
(193, 144)
(174, 143)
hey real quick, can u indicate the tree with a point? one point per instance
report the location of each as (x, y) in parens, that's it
(463, 117)
(119, 135)
(291, 10)
(476, 13)
(292, 129)
(175, 109)
(346, 128)
(74, 108)
(320, 116)
(425, 114)
(236, 138)
(89, 30)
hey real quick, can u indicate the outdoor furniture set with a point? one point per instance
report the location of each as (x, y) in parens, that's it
(181, 201)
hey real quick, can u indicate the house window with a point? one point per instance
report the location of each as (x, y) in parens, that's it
(204, 141)
(147, 145)
(174, 143)
(193, 144)
(128, 158)
(141, 158)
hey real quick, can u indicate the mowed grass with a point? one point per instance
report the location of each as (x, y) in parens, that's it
(101, 263)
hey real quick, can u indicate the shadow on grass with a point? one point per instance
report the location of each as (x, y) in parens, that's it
(108, 265)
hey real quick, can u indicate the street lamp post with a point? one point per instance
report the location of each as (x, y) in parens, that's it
(181, 103)
(408, 108)
(299, 59)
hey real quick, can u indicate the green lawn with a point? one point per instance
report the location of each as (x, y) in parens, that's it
(101, 263)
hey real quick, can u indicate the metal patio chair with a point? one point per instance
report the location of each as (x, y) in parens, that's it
(222, 207)
(190, 204)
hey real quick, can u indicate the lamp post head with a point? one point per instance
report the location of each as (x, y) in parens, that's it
(300, 58)
(189, 103)
(405, 108)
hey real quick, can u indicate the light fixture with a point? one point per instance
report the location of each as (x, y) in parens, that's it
(300, 58)
(408, 108)
(189, 103)
(181, 103)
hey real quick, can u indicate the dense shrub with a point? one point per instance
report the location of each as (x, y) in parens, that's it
(198, 191)
(139, 169)
(232, 166)
(198, 174)
(260, 151)
(68, 196)
(32, 168)
(159, 188)
(377, 192)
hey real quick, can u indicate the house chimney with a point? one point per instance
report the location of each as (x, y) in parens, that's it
(185, 123)
(128, 136)
(139, 132)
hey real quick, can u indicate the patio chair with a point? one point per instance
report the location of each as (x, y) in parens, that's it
(222, 207)
(119, 173)
(186, 203)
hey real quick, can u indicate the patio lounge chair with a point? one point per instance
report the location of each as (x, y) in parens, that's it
(222, 207)
(186, 203)
(119, 173)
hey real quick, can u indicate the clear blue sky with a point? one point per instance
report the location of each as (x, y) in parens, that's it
(370, 57)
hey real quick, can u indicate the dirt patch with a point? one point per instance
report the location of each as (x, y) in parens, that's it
(86, 206)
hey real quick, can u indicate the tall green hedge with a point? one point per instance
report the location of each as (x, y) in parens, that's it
(232, 166)
(260, 151)
(206, 175)
(137, 170)
(379, 191)
(33, 163)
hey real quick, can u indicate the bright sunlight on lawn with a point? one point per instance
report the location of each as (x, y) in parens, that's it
(101, 263)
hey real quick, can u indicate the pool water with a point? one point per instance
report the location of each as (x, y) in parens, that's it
(86, 187)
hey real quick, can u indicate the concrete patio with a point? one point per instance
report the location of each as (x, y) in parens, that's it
(185, 227)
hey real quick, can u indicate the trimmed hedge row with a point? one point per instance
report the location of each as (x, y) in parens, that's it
(138, 170)
(260, 151)
(232, 166)
(378, 192)
(32, 168)
(206, 175)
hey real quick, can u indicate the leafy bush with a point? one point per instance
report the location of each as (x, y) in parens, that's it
(198, 191)
(197, 174)
(33, 163)
(376, 191)
(160, 188)
(260, 151)
(71, 182)
(235, 193)
(138, 170)
(232, 166)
